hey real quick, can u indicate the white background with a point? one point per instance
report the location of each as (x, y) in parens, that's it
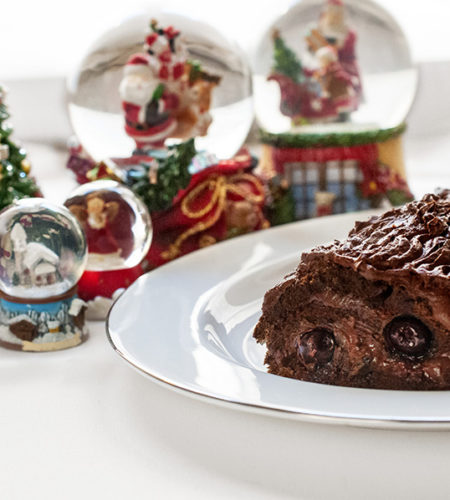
(42, 41)
(44, 38)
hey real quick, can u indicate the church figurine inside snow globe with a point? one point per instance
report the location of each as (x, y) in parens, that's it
(43, 255)
(333, 84)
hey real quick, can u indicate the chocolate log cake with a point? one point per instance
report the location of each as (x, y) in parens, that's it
(372, 310)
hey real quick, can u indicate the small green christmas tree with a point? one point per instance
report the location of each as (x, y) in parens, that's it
(281, 206)
(285, 61)
(172, 175)
(14, 167)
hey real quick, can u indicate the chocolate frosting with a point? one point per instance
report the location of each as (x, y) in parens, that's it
(411, 242)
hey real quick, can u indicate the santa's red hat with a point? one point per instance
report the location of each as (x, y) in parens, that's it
(338, 3)
(170, 32)
(151, 39)
(137, 64)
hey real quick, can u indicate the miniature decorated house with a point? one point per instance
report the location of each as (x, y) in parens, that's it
(356, 171)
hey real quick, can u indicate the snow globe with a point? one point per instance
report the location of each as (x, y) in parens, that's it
(118, 231)
(43, 255)
(159, 79)
(163, 103)
(334, 82)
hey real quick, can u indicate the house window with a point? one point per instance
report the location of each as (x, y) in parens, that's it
(342, 178)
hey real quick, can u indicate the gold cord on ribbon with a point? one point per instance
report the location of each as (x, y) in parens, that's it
(220, 186)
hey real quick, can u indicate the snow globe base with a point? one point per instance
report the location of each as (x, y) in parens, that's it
(337, 171)
(40, 325)
(99, 289)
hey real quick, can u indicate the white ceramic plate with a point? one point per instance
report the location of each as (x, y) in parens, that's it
(189, 325)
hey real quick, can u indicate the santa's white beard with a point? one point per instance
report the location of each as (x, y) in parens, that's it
(134, 92)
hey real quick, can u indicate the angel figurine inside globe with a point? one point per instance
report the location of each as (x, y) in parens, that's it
(118, 231)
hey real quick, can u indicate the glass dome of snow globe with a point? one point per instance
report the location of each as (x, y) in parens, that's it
(160, 78)
(116, 222)
(333, 66)
(43, 250)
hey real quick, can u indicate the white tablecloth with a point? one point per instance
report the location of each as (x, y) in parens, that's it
(81, 423)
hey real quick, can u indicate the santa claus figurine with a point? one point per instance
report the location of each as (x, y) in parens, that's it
(163, 94)
(335, 82)
(334, 28)
(147, 119)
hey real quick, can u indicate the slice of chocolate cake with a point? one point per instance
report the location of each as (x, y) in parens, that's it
(371, 311)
